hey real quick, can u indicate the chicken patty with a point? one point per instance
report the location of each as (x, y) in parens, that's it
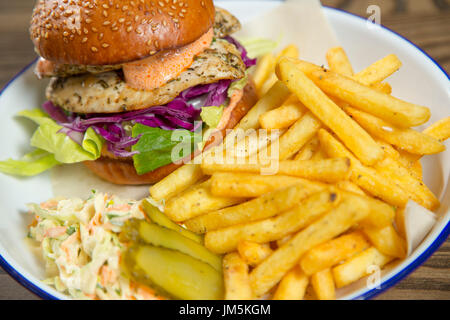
(108, 93)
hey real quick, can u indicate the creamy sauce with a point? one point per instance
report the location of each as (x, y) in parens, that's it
(155, 71)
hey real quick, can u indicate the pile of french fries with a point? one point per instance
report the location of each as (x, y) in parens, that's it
(348, 163)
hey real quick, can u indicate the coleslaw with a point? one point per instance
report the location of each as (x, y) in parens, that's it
(79, 241)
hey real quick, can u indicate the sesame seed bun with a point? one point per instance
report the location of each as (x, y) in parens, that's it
(109, 32)
(122, 171)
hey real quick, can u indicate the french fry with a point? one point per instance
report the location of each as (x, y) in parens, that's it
(381, 214)
(338, 62)
(266, 275)
(298, 135)
(266, 206)
(400, 222)
(290, 51)
(396, 111)
(309, 68)
(439, 130)
(359, 266)
(366, 178)
(176, 182)
(415, 188)
(252, 142)
(379, 186)
(253, 253)
(388, 149)
(407, 139)
(310, 294)
(357, 140)
(417, 170)
(274, 98)
(329, 170)
(333, 252)
(379, 71)
(308, 150)
(244, 185)
(264, 68)
(382, 105)
(284, 116)
(236, 278)
(383, 87)
(320, 155)
(350, 187)
(323, 284)
(285, 239)
(387, 241)
(264, 231)
(270, 81)
(196, 201)
(292, 286)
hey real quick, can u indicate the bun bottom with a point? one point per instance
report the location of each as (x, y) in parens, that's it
(122, 171)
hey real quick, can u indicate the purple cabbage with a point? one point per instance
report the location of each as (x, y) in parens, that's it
(217, 93)
(176, 114)
(248, 62)
(54, 112)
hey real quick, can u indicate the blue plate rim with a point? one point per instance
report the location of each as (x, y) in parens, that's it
(365, 296)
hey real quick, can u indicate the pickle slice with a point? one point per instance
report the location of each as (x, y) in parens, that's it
(180, 275)
(161, 219)
(163, 237)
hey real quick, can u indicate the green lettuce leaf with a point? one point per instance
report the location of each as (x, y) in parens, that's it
(53, 148)
(238, 85)
(31, 164)
(60, 145)
(212, 115)
(257, 47)
(158, 147)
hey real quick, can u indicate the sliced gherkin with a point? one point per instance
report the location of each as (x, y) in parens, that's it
(163, 237)
(161, 219)
(178, 274)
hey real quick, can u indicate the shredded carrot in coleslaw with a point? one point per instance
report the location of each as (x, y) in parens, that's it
(80, 240)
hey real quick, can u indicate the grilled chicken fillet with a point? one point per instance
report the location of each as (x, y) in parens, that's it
(108, 92)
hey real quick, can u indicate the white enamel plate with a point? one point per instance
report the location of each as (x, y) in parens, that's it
(421, 80)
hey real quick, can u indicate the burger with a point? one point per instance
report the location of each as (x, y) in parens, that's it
(125, 75)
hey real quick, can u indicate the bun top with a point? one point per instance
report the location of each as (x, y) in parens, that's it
(108, 32)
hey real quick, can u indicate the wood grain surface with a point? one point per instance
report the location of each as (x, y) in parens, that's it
(425, 22)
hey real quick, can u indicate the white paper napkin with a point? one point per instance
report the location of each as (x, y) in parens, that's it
(300, 22)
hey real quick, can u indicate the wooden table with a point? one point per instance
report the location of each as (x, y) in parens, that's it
(425, 22)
